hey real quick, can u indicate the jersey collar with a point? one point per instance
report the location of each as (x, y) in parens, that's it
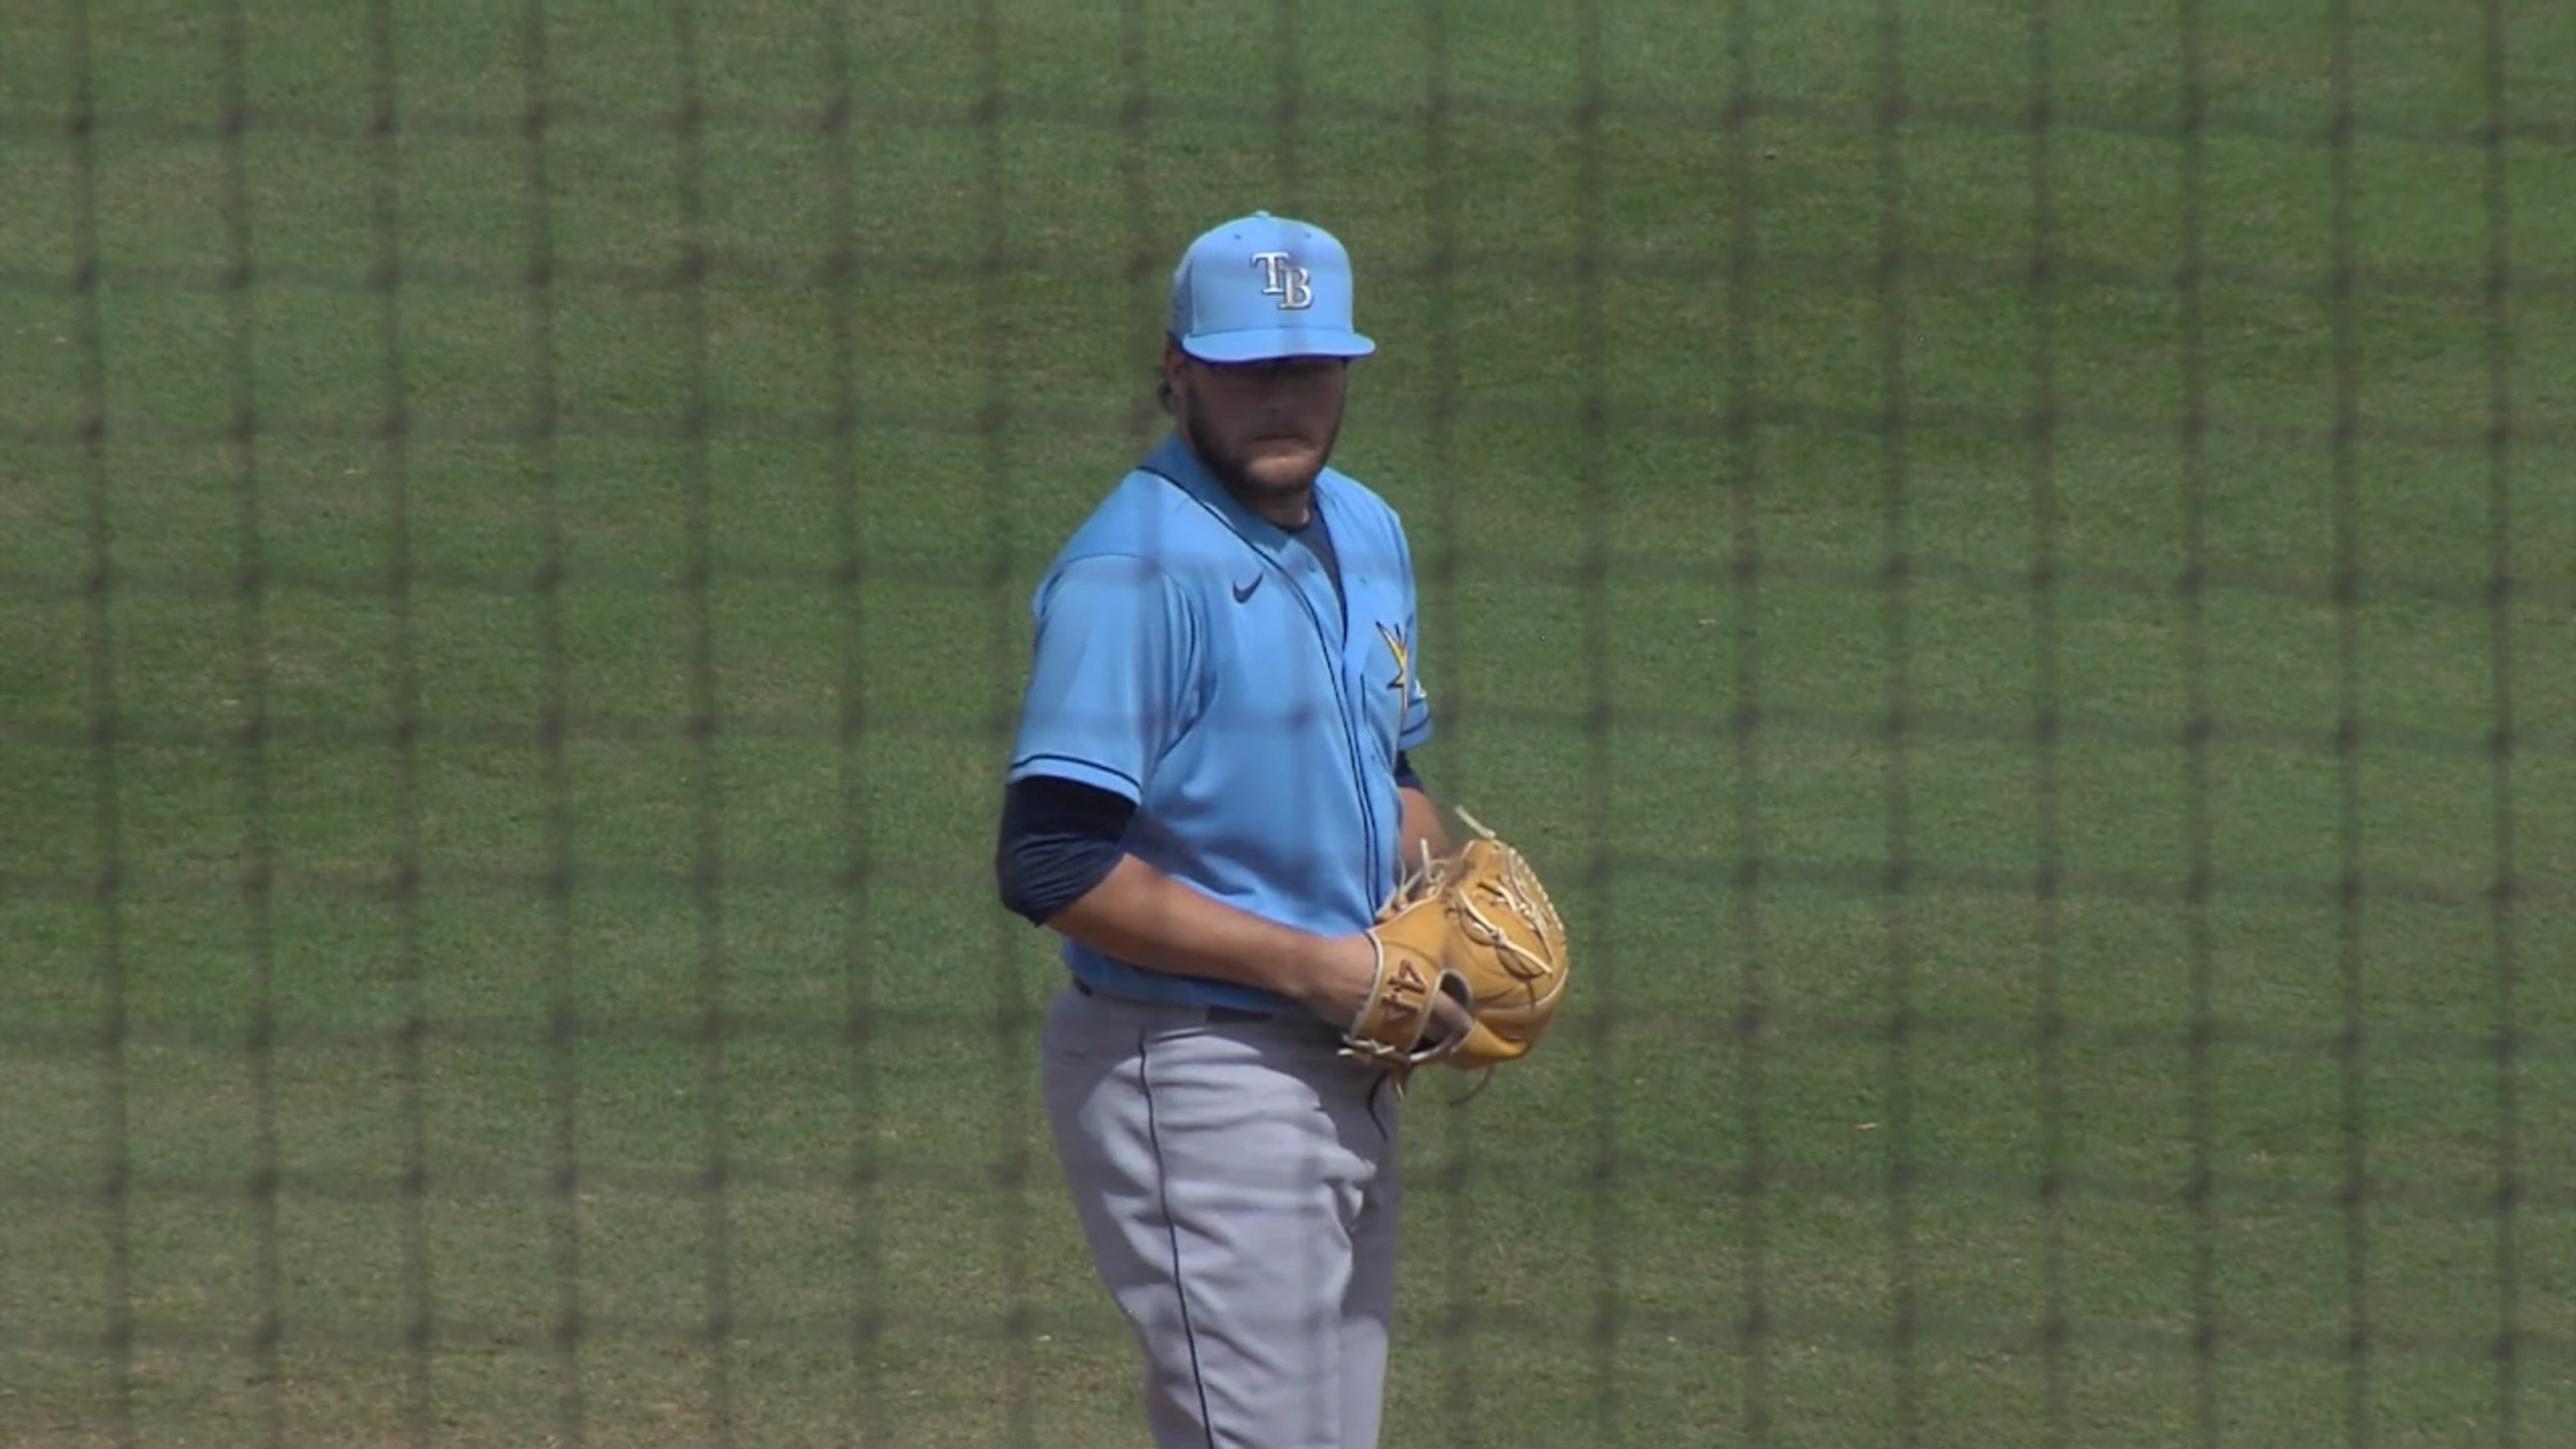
(1173, 459)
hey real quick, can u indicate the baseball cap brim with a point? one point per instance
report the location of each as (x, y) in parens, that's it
(1269, 344)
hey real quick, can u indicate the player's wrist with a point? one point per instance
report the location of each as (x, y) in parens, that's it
(1337, 975)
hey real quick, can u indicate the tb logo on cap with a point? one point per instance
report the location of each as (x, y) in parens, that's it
(1292, 285)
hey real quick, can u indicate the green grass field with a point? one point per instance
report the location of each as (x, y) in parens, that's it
(1912, 1094)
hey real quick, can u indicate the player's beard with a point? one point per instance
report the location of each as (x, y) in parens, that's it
(1232, 467)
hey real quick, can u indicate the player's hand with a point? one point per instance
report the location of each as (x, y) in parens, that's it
(1344, 972)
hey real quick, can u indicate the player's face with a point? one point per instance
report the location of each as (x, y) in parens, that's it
(1264, 428)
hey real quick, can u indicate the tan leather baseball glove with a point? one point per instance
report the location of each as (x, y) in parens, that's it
(1478, 926)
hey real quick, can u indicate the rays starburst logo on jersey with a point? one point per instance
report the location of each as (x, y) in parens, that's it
(1395, 645)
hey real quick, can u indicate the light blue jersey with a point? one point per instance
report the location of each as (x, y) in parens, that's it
(1194, 658)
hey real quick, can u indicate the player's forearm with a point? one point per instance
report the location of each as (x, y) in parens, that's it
(1143, 917)
(1421, 826)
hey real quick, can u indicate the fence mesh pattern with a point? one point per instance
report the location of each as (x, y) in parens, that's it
(523, 521)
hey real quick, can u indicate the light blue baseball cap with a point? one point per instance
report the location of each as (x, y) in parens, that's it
(1261, 287)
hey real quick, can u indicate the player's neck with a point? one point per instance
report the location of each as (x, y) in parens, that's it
(1289, 510)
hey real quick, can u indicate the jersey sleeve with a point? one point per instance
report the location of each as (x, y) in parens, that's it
(1110, 678)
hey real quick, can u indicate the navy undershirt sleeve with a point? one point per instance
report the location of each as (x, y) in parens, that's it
(1059, 838)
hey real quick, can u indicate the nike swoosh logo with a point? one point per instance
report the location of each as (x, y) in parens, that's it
(1244, 591)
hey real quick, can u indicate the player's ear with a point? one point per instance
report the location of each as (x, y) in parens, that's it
(1175, 362)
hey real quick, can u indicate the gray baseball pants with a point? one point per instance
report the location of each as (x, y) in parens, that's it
(1237, 1182)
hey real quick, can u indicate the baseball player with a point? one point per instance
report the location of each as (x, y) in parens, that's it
(1209, 797)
